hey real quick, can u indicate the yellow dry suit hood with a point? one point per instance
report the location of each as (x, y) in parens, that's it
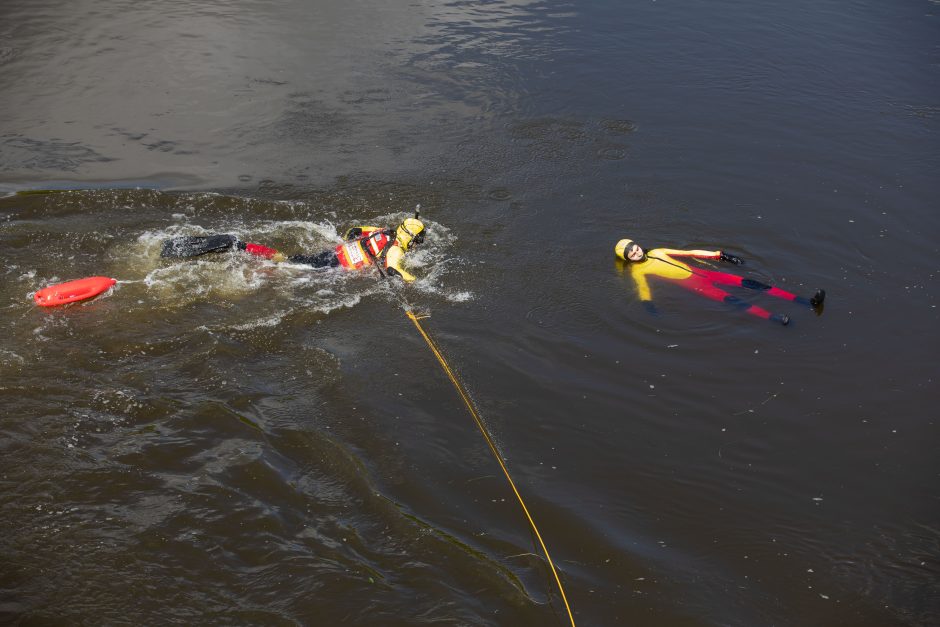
(409, 232)
(621, 248)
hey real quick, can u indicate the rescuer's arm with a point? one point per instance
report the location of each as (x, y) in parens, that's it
(393, 263)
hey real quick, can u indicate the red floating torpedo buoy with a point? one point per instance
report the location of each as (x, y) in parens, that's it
(71, 291)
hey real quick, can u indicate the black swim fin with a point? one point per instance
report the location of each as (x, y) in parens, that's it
(195, 245)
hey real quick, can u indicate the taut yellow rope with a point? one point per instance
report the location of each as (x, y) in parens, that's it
(489, 440)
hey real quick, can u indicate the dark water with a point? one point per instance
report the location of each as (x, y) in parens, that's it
(226, 441)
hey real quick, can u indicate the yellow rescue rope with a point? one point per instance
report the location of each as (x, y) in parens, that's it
(476, 417)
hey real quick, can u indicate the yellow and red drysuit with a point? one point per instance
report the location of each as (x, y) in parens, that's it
(665, 264)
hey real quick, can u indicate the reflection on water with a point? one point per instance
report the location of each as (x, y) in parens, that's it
(131, 90)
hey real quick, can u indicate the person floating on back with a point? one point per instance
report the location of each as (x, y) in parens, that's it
(666, 264)
(364, 246)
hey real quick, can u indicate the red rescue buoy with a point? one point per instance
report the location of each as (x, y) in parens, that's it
(69, 292)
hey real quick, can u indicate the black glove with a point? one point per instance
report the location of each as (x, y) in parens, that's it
(650, 307)
(731, 259)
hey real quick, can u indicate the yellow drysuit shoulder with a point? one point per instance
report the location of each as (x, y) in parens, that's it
(662, 262)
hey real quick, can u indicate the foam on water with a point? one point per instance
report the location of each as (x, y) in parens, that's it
(234, 275)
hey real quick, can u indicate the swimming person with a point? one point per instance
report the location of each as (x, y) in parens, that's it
(368, 245)
(363, 246)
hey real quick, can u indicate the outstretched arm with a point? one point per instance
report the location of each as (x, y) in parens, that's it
(704, 254)
(700, 254)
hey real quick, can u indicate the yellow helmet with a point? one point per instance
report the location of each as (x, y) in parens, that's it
(621, 248)
(409, 232)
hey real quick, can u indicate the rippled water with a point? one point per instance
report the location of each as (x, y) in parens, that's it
(225, 440)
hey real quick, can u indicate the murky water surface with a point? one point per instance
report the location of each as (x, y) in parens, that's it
(230, 441)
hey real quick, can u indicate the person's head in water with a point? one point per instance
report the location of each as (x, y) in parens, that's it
(628, 250)
(410, 233)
